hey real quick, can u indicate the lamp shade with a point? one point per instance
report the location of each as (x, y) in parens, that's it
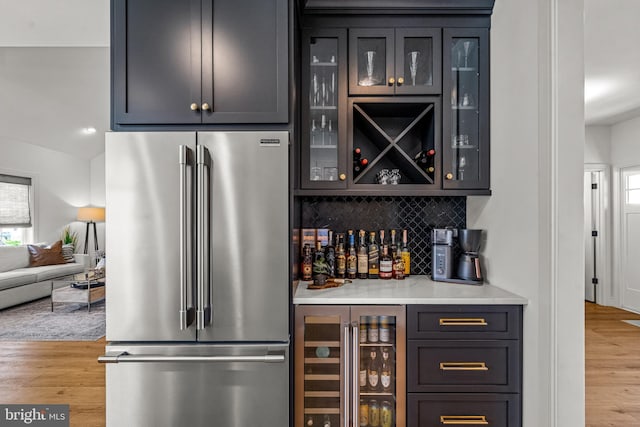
(89, 214)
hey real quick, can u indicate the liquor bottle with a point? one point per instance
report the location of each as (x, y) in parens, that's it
(309, 421)
(386, 264)
(341, 258)
(363, 257)
(373, 269)
(382, 240)
(330, 255)
(327, 421)
(385, 371)
(318, 258)
(393, 245)
(398, 266)
(352, 257)
(406, 255)
(307, 262)
(373, 371)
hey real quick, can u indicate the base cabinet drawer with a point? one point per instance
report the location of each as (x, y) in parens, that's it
(463, 409)
(463, 366)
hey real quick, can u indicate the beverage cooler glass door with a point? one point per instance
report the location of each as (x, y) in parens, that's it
(378, 397)
(322, 368)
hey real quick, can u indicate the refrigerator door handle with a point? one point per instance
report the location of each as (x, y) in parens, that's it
(187, 314)
(355, 378)
(203, 311)
(124, 357)
(346, 340)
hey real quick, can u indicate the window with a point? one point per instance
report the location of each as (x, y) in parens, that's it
(16, 201)
(632, 189)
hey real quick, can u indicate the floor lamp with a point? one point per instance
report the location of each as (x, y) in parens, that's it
(91, 215)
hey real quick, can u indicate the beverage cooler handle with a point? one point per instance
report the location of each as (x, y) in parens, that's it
(355, 372)
(185, 159)
(346, 339)
(203, 311)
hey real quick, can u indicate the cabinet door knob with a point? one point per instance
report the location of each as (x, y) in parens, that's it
(194, 107)
(342, 177)
(205, 107)
(391, 81)
(400, 81)
(449, 175)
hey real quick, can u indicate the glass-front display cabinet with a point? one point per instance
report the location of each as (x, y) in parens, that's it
(350, 366)
(466, 109)
(323, 102)
(387, 61)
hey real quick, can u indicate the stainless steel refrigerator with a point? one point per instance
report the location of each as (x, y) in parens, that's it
(197, 299)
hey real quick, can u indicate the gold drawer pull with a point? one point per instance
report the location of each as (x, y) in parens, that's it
(475, 420)
(463, 366)
(459, 321)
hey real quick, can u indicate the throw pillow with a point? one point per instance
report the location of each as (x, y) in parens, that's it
(67, 253)
(51, 255)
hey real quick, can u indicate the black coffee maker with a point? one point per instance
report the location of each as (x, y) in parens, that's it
(469, 269)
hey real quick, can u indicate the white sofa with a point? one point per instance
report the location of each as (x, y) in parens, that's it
(20, 283)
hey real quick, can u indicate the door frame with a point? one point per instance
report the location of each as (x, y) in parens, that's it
(619, 233)
(606, 293)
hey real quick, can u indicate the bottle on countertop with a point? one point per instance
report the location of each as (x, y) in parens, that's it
(373, 253)
(386, 264)
(362, 256)
(352, 257)
(341, 258)
(330, 255)
(406, 254)
(307, 263)
(393, 244)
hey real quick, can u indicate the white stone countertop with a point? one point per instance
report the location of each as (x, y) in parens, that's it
(412, 290)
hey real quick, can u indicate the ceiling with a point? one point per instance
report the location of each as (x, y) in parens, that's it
(54, 70)
(612, 61)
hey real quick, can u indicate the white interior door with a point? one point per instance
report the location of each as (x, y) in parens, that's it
(630, 199)
(589, 241)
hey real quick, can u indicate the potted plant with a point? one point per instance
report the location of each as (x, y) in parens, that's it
(69, 237)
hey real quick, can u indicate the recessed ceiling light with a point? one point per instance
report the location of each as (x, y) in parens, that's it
(89, 130)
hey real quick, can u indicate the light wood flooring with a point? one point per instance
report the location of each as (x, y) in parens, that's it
(612, 367)
(68, 373)
(55, 372)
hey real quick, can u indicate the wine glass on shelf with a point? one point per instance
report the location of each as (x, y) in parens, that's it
(413, 65)
(467, 46)
(369, 80)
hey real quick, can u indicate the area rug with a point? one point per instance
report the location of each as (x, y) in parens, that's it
(633, 322)
(34, 321)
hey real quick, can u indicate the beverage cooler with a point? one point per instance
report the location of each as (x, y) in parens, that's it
(350, 366)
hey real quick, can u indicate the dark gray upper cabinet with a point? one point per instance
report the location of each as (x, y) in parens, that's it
(388, 61)
(195, 62)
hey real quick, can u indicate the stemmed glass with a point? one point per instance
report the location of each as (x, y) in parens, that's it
(466, 45)
(369, 80)
(413, 66)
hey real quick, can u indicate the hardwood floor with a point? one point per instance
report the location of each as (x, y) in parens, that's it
(55, 372)
(612, 367)
(68, 373)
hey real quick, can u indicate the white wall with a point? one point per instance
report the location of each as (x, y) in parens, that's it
(98, 193)
(535, 210)
(597, 147)
(625, 143)
(61, 185)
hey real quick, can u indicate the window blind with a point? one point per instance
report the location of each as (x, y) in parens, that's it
(15, 202)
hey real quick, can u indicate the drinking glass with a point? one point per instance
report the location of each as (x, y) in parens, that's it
(467, 46)
(413, 65)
